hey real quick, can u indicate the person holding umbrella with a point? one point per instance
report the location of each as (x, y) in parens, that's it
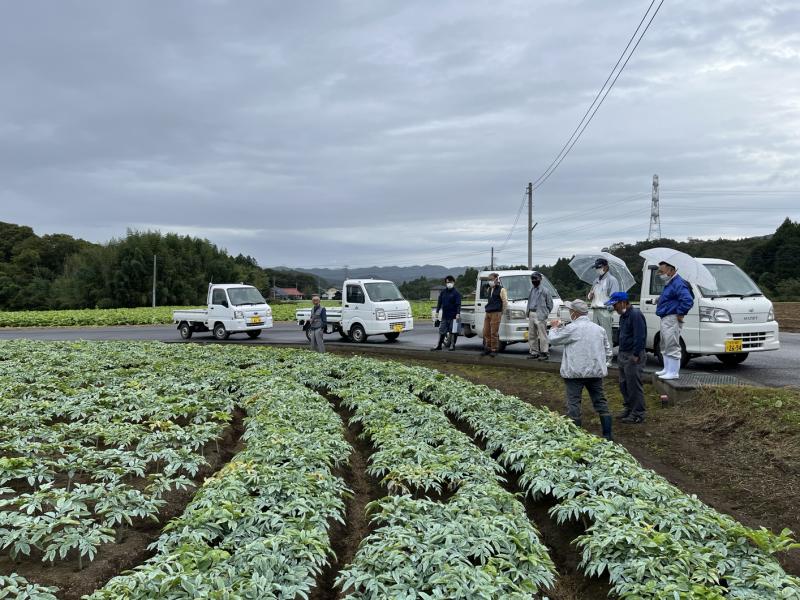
(675, 301)
(584, 363)
(540, 303)
(632, 357)
(603, 287)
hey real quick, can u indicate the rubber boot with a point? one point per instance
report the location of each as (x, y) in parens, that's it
(605, 422)
(439, 345)
(453, 338)
(673, 368)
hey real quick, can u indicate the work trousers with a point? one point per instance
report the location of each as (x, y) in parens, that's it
(671, 336)
(317, 343)
(602, 317)
(491, 329)
(630, 382)
(537, 335)
(593, 385)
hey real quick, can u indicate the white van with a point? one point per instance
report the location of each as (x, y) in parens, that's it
(369, 307)
(729, 322)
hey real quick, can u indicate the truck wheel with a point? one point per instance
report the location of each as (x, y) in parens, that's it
(185, 330)
(220, 332)
(254, 334)
(733, 359)
(392, 335)
(357, 334)
(308, 334)
(343, 335)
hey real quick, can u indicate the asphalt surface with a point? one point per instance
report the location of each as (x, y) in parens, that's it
(775, 369)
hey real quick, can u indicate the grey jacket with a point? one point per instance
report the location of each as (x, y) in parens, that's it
(539, 303)
(586, 349)
(318, 318)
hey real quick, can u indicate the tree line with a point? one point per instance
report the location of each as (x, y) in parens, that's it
(59, 271)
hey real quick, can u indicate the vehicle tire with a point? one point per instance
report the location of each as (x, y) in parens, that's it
(732, 360)
(343, 335)
(685, 358)
(392, 335)
(220, 332)
(254, 334)
(357, 334)
(185, 330)
(308, 334)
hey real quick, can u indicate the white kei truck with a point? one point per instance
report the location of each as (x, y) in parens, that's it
(729, 322)
(514, 322)
(232, 308)
(369, 307)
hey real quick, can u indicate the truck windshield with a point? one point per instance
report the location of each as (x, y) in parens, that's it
(383, 291)
(518, 287)
(245, 295)
(731, 282)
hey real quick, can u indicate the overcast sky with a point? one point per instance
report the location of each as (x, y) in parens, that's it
(366, 132)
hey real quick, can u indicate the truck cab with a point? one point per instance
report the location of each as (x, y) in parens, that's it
(514, 322)
(729, 322)
(369, 307)
(232, 308)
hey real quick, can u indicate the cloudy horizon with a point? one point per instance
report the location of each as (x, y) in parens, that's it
(362, 134)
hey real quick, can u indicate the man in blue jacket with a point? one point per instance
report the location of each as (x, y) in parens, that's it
(448, 310)
(632, 357)
(675, 301)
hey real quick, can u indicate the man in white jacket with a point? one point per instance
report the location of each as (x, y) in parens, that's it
(587, 351)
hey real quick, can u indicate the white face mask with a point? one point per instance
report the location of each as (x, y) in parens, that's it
(663, 276)
(599, 270)
(449, 286)
(491, 283)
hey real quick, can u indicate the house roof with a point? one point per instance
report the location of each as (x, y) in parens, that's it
(291, 291)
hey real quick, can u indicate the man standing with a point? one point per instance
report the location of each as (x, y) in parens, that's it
(632, 357)
(448, 310)
(540, 303)
(602, 288)
(495, 306)
(584, 364)
(675, 301)
(317, 323)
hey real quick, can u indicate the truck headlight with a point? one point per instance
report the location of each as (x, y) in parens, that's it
(380, 314)
(771, 314)
(237, 314)
(710, 314)
(515, 315)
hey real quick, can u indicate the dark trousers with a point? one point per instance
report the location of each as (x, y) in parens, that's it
(593, 385)
(630, 382)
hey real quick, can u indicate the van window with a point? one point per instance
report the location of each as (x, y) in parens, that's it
(656, 285)
(355, 294)
(218, 297)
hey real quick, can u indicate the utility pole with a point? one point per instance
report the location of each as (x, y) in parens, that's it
(655, 217)
(491, 263)
(530, 225)
(154, 280)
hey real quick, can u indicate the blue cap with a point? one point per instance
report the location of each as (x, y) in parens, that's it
(617, 297)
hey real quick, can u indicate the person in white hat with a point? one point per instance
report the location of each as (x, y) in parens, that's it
(587, 351)
(604, 286)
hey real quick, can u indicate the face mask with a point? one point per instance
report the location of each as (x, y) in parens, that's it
(449, 286)
(491, 283)
(663, 276)
(623, 311)
(599, 271)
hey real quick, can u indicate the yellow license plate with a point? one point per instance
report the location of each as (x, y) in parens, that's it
(733, 346)
(256, 320)
(397, 328)
(525, 335)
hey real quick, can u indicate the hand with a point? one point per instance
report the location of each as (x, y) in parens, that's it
(680, 318)
(635, 359)
(590, 295)
(458, 317)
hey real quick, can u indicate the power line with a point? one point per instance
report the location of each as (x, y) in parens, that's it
(569, 145)
(516, 221)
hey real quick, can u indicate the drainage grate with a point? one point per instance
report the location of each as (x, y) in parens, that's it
(710, 379)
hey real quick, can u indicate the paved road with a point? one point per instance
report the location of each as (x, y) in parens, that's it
(781, 368)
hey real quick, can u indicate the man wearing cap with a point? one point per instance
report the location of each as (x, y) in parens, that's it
(604, 285)
(632, 357)
(448, 312)
(587, 351)
(540, 303)
(675, 301)
(496, 304)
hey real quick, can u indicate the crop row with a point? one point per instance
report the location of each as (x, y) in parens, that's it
(448, 529)
(651, 539)
(259, 527)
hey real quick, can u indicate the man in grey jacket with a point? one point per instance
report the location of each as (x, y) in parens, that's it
(317, 323)
(540, 303)
(584, 364)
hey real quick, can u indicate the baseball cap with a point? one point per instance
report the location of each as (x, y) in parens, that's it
(617, 297)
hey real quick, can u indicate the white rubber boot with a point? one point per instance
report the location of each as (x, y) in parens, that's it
(665, 370)
(673, 368)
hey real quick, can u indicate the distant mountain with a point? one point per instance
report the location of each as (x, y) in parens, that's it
(397, 274)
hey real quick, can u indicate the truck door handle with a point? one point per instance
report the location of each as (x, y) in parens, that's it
(649, 301)
(347, 306)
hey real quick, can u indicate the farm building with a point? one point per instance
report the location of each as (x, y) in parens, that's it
(435, 291)
(291, 293)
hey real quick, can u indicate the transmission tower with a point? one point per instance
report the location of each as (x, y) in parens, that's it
(655, 217)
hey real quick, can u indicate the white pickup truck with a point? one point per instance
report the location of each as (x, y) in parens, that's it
(729, 322)
(514, 323)
(369, 307)
(232, 308)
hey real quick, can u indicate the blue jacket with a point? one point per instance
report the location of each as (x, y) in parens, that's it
(632, 331)
(449, 303)
(675, 299)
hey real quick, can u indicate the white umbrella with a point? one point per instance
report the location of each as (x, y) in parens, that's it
(688, 266)
(583, 265)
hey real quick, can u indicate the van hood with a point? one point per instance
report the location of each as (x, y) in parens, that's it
(743, 310)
